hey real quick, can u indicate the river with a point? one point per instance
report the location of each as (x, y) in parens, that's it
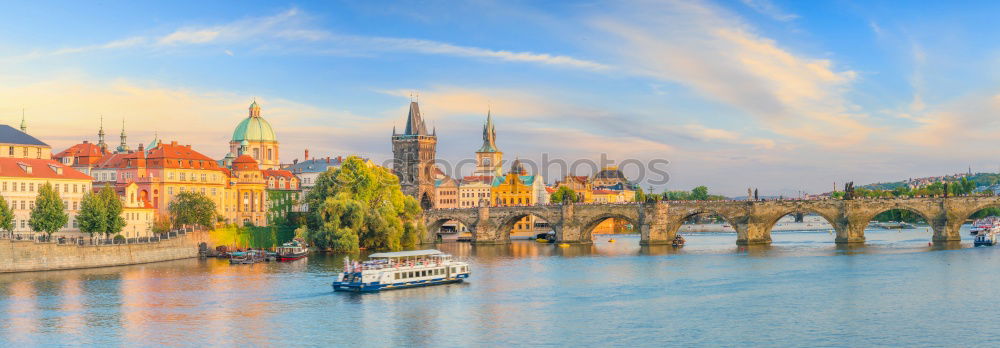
(802, 290)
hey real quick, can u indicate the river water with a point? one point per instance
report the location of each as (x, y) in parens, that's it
(802, 290)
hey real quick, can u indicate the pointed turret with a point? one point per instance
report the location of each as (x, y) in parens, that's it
(100, 136)
(489, 135)
(123, 146)
(415, 122)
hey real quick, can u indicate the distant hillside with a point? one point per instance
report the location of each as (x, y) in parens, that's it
(981, 180)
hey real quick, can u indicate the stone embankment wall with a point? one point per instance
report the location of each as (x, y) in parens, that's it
(27, 256)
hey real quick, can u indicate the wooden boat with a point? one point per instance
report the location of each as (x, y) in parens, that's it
(247, 257)
(291, 251)
(678, 241)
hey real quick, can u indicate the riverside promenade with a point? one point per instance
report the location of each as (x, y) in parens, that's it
(27, 255)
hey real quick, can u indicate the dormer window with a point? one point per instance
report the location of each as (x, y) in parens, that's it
(25, 167)
(56, 169)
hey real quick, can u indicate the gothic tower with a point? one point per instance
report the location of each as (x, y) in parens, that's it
(413, 154)
(100, 137)
(488, 157)
(123, 146)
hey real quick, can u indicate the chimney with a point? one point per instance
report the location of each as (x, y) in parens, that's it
(295, 161)
(173, 143)
(86, 142)
(340, 159)
(327, 159)
(140, 147)
(307, 155)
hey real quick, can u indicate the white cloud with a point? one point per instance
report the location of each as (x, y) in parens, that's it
(720, 57)
(295, 27)
(768, 8)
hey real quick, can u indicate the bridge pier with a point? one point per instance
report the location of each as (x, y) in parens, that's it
(654, 228)
(752, 233)
(947, 230)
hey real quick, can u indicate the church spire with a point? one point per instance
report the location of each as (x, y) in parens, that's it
(414, 121)
(489, 134)
(24, 125)
(100, 136)
(123, 147)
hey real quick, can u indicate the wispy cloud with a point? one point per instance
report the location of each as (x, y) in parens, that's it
(768, 8)
(722, 58)
(294, 26)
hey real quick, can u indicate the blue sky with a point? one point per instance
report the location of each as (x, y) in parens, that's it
(785, 96)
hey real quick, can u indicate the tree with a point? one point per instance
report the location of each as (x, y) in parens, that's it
(6, 216)
(361, 206)
(91, 218)
(49, 214)
(699, 193)
(192, 208)
(161, 224)
(639, 195)
(114, 222)
(563, 193)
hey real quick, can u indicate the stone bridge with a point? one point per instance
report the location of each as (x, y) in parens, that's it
(658, 222)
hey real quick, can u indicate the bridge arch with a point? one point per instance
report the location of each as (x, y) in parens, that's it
(864, 220)
(507, 223)
(829, 216)
(435, 221)
(676, 221)
(587, 232)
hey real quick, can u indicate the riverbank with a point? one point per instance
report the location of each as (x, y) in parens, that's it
(30, 256)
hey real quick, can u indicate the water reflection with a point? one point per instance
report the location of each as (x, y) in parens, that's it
(522, 292)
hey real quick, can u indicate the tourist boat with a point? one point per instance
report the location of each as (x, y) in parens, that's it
(291, 251)
(678, 241)
(247, 257)
(984, 224)
(399, 270)
(987, 237)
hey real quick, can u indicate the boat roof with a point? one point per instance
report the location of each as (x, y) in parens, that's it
(407, 253)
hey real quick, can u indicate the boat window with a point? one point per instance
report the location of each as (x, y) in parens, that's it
(397, 276)
(465, 269)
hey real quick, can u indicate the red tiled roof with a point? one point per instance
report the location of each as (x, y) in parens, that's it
(478, 178)
(178, 156)
(550, 189)
(115, 160)
(605, 192)
(40, 168)
(277, 172)
(85, 153)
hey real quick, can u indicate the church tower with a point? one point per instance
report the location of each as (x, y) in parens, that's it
(413, 154)
(100, 137)
(488, 157)
(123, 146)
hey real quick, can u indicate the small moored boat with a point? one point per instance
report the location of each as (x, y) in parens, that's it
(247, 257)
(678, 241)
(291, 251)
(399, 270)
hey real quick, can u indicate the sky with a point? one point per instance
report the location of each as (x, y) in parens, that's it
(782, 96)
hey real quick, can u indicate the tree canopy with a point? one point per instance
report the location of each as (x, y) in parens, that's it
(6, 216)
(563, 193)
(91, 218)
(113, 207)
(49, 214)
(192, 208)
(361, 206)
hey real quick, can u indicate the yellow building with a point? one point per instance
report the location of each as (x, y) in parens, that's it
(25, 166)
(515, 189)
(139, 215)
(579, 184)
(247, 193)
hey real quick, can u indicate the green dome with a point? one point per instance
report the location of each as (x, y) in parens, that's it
(254, 128)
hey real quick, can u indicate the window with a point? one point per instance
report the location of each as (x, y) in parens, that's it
(5, 186)
(269, 153)
(183, 176)
(256, 153)
(74, 188)
(397, 276)
(170, 190)
(10, 151)
(203, 177)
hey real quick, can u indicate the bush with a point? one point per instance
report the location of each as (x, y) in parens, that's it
(119, 239)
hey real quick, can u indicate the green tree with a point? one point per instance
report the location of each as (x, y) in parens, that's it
(6, 216)
(699, 193)
(114, 222)
(361, 206)
(91, 218)
(640, 196)
(192, 208)
(49, 214)
(563, 193)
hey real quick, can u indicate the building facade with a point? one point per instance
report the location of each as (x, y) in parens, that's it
(25, 166)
